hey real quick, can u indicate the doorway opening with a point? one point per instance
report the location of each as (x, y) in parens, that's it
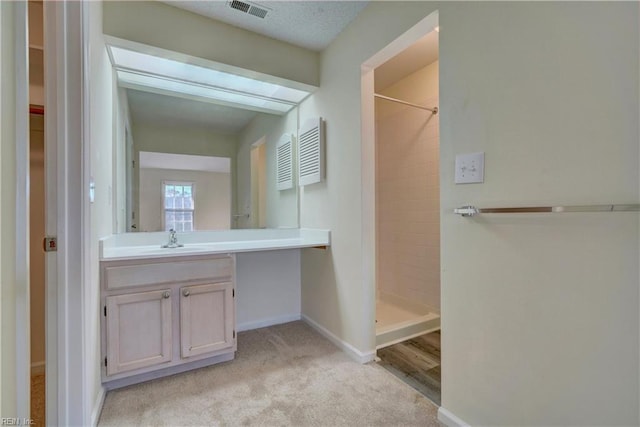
(259, 184)
(407, 193)
(37, 292)
(401, 167)
(37, 209)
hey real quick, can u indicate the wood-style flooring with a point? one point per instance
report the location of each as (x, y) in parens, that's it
(37, 399)
(417, 363)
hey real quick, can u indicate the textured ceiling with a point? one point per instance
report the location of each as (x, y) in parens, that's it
(309, 24)
(417, 56)
(167, 110)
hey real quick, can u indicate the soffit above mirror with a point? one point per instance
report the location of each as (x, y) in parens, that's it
(309, 24)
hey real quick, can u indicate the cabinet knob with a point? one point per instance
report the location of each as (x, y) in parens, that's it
(186, 292)
(166, 294)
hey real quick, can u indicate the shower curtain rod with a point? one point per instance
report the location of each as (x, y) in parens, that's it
(433, 110)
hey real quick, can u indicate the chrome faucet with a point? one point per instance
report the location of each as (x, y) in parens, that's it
(173, 240)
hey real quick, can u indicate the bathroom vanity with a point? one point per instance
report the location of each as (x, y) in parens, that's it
(168, 310)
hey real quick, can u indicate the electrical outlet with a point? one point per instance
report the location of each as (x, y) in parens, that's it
(469, 168)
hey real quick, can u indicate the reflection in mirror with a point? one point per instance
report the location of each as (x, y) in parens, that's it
(175, 182)
(199, 146)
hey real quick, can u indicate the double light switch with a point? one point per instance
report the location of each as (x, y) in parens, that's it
(469, 168)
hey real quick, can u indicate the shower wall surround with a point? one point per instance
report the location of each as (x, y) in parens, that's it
(407, 191)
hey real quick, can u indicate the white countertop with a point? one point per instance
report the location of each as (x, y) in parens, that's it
(147, 245)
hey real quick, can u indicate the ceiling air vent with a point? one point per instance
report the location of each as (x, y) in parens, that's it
(250, 8)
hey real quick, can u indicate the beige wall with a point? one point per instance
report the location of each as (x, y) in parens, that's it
(167, 27)
(7, 212)
(536, 112)
(212, 198)
(36, 234)
(531, 305)
(281, 206)
(187, 140)
(408, 191)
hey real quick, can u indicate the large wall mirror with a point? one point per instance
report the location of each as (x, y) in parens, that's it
(196, 143)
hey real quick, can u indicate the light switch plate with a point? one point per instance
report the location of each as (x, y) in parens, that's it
(469, 168)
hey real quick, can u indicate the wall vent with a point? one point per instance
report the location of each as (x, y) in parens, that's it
(311, 151)
(284, 159)
(248, 7)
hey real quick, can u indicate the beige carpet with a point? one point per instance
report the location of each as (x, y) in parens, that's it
(285, 375)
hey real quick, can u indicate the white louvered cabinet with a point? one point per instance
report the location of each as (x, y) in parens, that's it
(163, 316)
(284, 162)
(311, 167)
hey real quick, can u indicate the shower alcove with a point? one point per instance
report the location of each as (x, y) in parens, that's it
(407, 194)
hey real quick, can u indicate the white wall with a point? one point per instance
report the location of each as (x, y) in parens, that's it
(281, 206)
(408, 191)
(167, 27)
(212, 198)
(267, 289)
(532, 305)
(7, 212)
(102, 139)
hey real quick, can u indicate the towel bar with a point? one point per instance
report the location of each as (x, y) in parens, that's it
(469, 211)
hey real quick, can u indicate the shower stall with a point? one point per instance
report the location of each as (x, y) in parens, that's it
(407, 206)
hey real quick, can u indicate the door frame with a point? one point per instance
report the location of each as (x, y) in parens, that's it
(66, 154)
(22, 297)
(368, 162)
(258, 185)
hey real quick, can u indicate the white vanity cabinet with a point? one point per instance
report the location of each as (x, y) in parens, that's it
(206, 318)
(138, 329)
(163, 316)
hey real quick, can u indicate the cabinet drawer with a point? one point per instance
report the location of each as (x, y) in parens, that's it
(122, 276)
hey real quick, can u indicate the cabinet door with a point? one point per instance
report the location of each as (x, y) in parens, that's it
(138, 330)
(206, 318)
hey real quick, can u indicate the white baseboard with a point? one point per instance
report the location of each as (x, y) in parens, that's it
(97, 406)
(263, 323)
(450, 420)
(38, 368)
(354, 353)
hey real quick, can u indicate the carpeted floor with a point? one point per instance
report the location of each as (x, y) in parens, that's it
(284, 375)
